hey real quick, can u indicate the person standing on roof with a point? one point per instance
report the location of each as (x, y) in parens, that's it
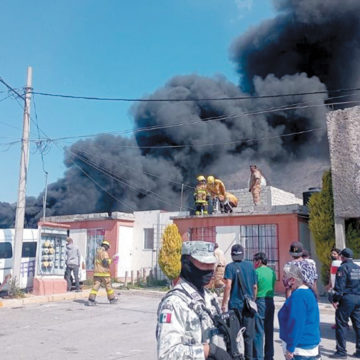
(201, 196)
(255, 182)
(102, 274)
(217, 191)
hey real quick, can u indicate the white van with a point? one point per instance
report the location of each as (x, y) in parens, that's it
(28, 257)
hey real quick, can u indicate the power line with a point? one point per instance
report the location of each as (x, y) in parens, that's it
(119, 178)
(96, 98)
(144, 172)
(210, 119)
(11, 88)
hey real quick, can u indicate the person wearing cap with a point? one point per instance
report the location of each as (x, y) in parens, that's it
(299, 318)
(72, 264)
(347, 303)
(308, 269)
(185, 329)
(234, 294)
(102, 274)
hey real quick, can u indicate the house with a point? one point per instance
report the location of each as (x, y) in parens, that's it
(271, 227)
(134, 237)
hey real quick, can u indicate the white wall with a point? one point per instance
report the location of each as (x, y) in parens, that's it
(156, 220)
(79, 237)
(226, 236)
(144, 258)
(125, 250)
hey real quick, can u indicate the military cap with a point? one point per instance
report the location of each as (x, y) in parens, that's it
(202, 251)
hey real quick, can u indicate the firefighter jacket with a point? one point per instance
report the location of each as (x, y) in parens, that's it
(201, 194)
(216, 189)
(102, 262)
(232, 199)
(183, 325)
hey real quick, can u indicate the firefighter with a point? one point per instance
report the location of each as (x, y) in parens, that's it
(230, 202)
(201, 196)
(216, 189)
(102, 274)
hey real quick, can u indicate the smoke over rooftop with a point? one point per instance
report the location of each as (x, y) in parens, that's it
(310, 46)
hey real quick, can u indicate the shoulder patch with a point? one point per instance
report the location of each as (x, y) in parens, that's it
(165, 318)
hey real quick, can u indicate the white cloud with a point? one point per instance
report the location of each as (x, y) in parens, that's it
(244, 4)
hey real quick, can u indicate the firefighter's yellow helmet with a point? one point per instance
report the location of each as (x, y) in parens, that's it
(210, 180)
(201, 178)
(105, 242)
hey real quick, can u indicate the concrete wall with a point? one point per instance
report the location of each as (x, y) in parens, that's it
(344, 142)
(270, 196)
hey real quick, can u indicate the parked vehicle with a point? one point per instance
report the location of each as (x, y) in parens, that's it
(28, 257)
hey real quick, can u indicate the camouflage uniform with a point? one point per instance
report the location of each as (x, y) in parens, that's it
(184, 326)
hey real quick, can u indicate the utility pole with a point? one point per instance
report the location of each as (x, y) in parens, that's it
(24, 160)
(181, 198)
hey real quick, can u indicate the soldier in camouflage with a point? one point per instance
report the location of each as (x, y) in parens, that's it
(185, 327)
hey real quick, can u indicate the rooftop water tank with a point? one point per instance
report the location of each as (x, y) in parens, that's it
(307, 194)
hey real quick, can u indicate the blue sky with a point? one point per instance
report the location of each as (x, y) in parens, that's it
(111, 48)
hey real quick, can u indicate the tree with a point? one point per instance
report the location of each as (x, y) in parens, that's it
(321, 207)
(170, 252)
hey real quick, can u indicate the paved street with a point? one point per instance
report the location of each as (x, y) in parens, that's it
(70, 330)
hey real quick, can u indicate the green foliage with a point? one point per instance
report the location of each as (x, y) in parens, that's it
(321, 207)
(353, 237)
(170, 252)
(14, 289)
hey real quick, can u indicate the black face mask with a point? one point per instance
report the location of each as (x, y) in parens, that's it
(333, 257)
(195, 276)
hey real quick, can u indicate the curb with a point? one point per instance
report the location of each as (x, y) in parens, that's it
(13, 303)
(42, 299)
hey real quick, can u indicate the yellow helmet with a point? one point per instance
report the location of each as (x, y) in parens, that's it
(201, 178)
(210, 180)
(105, 242)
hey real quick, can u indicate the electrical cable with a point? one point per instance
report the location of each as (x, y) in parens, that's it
(119, 178)
(207, 120)
(144, 172)
(191, 99)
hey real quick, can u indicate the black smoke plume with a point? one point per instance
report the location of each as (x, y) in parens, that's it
(311, 45)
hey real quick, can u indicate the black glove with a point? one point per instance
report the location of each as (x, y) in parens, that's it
(105, 263)
(217, 353)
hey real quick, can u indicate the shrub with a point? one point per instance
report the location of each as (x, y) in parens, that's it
(170, 252)
(321, 207)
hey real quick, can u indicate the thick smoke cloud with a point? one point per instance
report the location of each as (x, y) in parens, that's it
(310, 46)
(319, 38)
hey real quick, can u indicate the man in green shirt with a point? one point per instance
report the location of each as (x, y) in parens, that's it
(264, 319)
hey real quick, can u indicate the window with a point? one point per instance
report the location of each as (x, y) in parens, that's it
(203, 234)
(264, 238)
(28, 249)
(5, 250)
(94, 239)
(149, 239)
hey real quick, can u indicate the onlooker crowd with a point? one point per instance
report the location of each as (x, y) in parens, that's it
(249, 293)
